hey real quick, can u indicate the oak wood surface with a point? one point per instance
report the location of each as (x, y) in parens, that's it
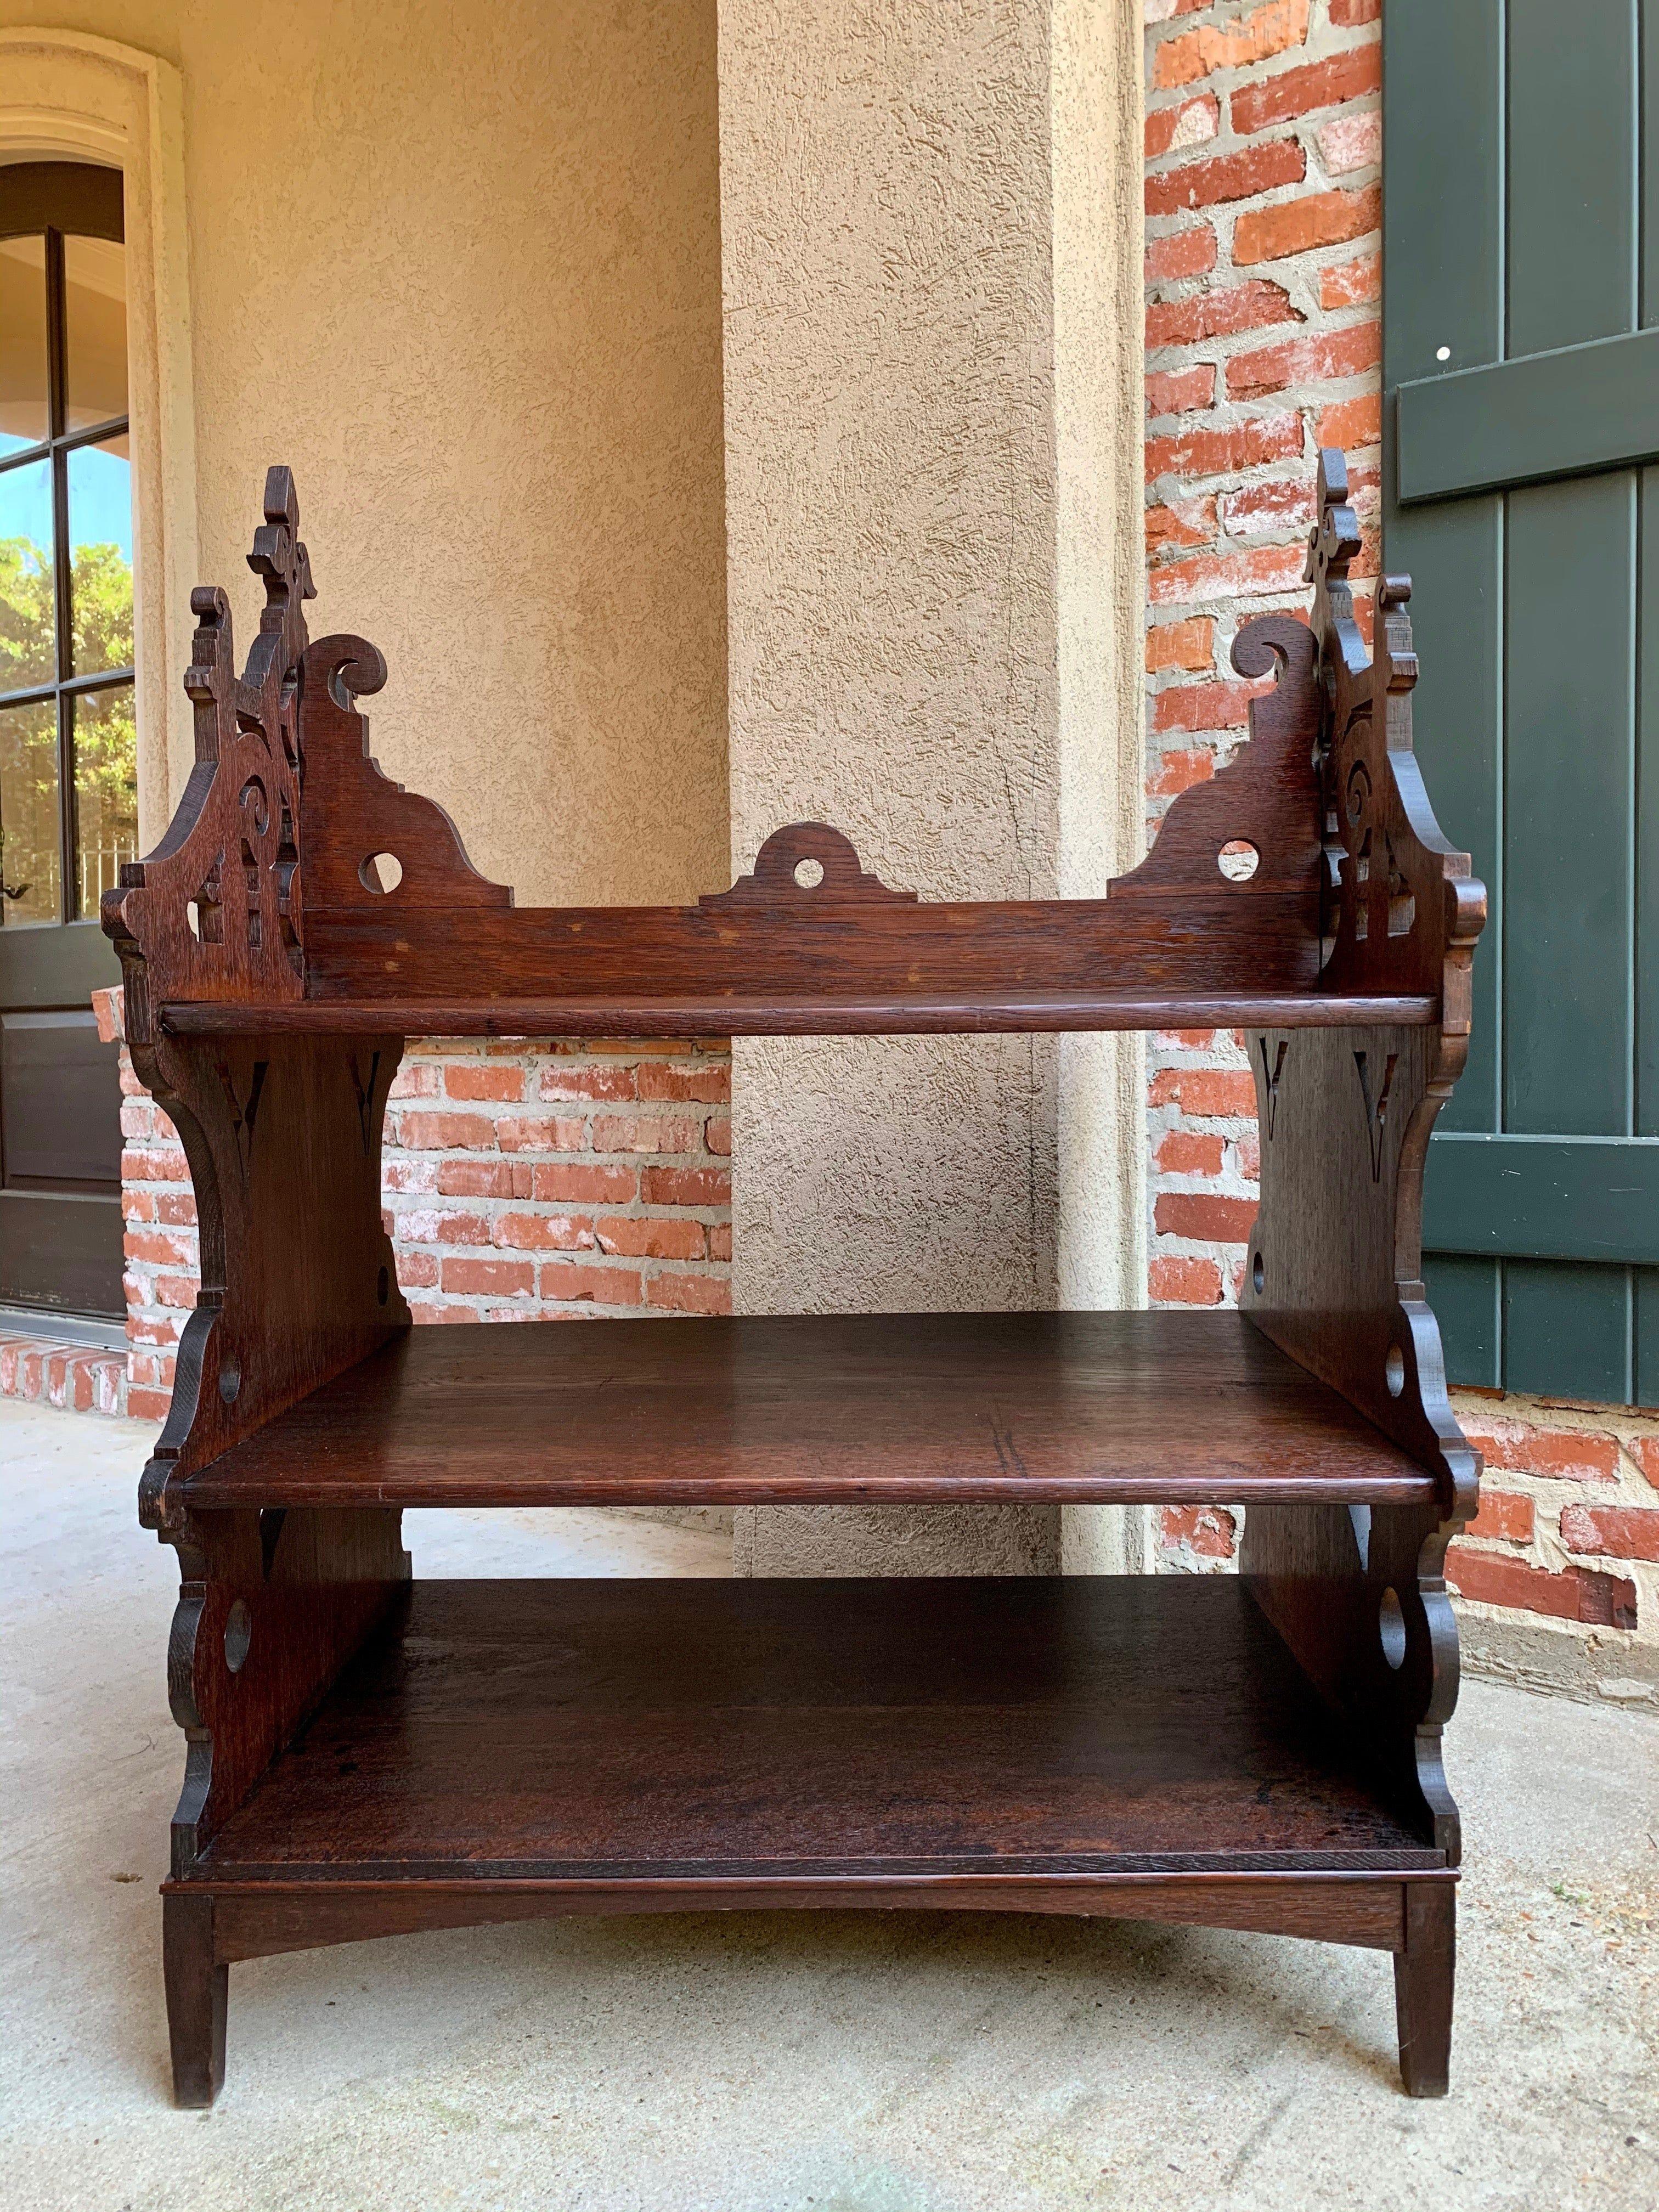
(1425, 1972)
(1335, 1259)
(628, 1730)
(745, 1013)
(1078, 1406)
(198, 1995)
(1020, 1742)
(256, 1920)
(283, 1137)
(351, 927)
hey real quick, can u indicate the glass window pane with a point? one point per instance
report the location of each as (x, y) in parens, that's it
(95, 331)
(28, 814)
(28, 638)
(23, 417)
(100, 556)
(105, 750)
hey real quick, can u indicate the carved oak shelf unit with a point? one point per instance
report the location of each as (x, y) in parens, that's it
(367, 1754)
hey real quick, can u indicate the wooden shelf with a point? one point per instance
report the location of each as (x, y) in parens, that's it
(742, 1014)
(701, 1732)
(1101, 1407)
(1259, 1751)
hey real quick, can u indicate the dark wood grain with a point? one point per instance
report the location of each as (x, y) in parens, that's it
(272, 887)
(1335, 1271)
(1424, 1968)
(742, 1729)
(743, 1013)
(270, 1606)
(199, 1996)
(283, 1136)
(361, 1760)
(256, 1920)
(845, 950)
(1079, 1406)
(216, 911)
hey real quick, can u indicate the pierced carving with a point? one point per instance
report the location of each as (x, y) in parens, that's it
(803, 863)
(281, 809)
(243, 799)
(1271, 1080)
(272, 1519)
(244, 1116)
(1387, 865)
(365, 1098)
(1377, 1109)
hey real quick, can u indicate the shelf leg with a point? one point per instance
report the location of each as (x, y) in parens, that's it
(198, 1991)
(1423, 1977)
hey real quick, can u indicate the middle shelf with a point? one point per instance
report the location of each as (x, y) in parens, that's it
(1113, 1408)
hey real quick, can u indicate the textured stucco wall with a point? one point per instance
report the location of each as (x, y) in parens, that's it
(910, 535)
(461, 268)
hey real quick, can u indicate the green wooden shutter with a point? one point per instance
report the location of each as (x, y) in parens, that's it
(1521, 490)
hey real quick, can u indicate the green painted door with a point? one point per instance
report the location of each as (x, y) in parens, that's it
(1521, 491)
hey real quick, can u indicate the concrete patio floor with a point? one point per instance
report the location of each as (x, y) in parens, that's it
(908, 2062)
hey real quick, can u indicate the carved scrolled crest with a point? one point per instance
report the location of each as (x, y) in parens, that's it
(1243, 840)
(216, 911)
(1400, 910)
(806, 862)
(359, 823)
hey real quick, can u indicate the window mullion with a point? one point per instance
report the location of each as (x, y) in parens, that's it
(57, 391)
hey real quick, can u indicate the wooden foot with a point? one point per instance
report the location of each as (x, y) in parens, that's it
(1422, 1975)
(197, 1991)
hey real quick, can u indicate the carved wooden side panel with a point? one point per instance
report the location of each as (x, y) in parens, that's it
(283, 1136)
(1358, 1593)
(217, 909)
(271, 1605)
(1334, 1268)
(284, 811)
(1332, 1277)
(1400, 911)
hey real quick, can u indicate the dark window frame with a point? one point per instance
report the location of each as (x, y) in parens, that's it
(63, 199)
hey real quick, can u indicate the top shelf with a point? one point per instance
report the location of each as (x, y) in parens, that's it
(746, 1014)
(299, 889)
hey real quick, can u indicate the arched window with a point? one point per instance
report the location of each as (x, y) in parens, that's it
(68, 735)
(69, 812)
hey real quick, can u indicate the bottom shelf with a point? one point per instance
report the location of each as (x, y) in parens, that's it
(732, 1732)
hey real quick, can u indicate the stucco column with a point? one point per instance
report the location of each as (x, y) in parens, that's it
(932, 288)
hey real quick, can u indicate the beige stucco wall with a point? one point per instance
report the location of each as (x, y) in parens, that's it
(478, 275)
(931, 530)
(460, 267)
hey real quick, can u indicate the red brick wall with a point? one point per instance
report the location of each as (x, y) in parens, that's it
(1263, 202)
(1263, 342)
(532, 1179)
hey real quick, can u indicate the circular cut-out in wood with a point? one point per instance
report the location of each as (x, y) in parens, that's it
(1238, 859)
(230, 1378)
(238, 1636)
(1394, 1370)
(1258, 1274)
(193, 916)
(1391, 1628)
(809, 874)
(380, 871)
